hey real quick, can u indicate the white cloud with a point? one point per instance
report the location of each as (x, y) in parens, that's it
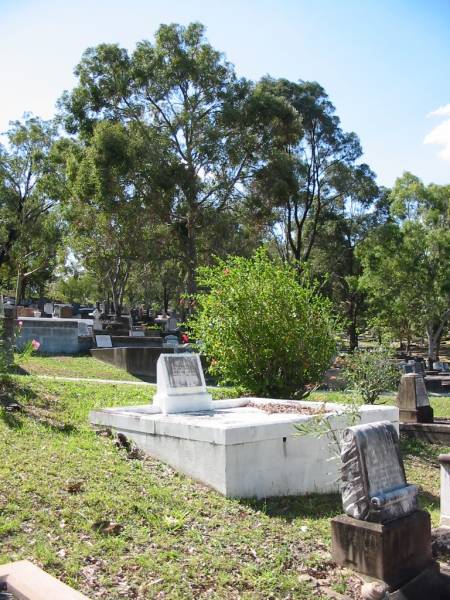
(442, 111)
(440, 135)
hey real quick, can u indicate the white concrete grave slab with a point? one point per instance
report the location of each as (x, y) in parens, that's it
(181, 384)
(103, 341)
(239, 449)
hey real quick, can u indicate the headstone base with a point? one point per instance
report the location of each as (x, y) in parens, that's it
(432, 583)
(393, 552)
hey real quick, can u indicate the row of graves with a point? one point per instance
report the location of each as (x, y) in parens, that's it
(416, 415)
(437, 378)
(251, 448)
(131, 341)
(135, 348)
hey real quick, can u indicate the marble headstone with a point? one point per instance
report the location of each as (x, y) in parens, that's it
(374, 486)
(181, 384)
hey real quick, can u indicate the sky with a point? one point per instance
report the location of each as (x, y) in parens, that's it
(383, 63)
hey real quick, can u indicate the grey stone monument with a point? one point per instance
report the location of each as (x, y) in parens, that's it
(412, 400)
(382, 534)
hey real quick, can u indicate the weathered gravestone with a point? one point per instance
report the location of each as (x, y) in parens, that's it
(374, 484)
(412, 400)
(382, 534)
(181, 384)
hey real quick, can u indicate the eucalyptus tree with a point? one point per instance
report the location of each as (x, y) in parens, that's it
(31, 187)
(406, 262)
(313, 176)
(186, 97)
(111, 204)
(30, 182)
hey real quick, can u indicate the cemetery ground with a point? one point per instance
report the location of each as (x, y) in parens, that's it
(115, 524)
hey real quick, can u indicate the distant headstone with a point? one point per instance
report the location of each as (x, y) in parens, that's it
(103, 341)
(137, 333)
(171, 340)
(48, 308)
(181, 384)
(374, 486)
(83, 329)
(412, 400)
(171, 324)
(413, 366)
(438, 366)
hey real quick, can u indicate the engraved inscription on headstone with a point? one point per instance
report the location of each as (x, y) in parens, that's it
(374, 486)
(183, 371)
(180, 384)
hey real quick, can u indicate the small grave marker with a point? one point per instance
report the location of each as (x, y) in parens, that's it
(103, 341)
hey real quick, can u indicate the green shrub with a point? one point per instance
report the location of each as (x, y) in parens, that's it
(371, 372)
(261, 329)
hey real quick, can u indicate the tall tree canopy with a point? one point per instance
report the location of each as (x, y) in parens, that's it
(313, 174)
(406, 260)
(31, 185)
(182, 94)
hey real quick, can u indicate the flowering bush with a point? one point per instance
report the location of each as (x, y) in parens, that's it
(261, 329)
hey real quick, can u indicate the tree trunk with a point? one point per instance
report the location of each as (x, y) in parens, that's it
(433, 349)
(353, 335)
(165, 298)
(191, 255)
(19, 287)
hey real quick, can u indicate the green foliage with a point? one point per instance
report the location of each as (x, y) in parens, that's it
(203, 132)
(30, 190)
(405, 262)
(261, 328)
(369, 373)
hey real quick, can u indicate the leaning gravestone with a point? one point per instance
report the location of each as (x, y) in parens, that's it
(374, 484)
(412, 400)
(181, 384)
(382, 534)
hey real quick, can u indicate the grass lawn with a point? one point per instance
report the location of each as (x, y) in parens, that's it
(73, 366)
(116, 526)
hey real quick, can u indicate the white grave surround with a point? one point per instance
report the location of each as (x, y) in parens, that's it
(239, 450)
(181, 384)
(444, 460)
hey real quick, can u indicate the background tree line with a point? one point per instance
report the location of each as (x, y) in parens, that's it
(161, 158)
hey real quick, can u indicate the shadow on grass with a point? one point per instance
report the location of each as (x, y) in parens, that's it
(19, 402)
(289, 508)
(11, 419)
(18, 370)
(414, 447)
(427, 500)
